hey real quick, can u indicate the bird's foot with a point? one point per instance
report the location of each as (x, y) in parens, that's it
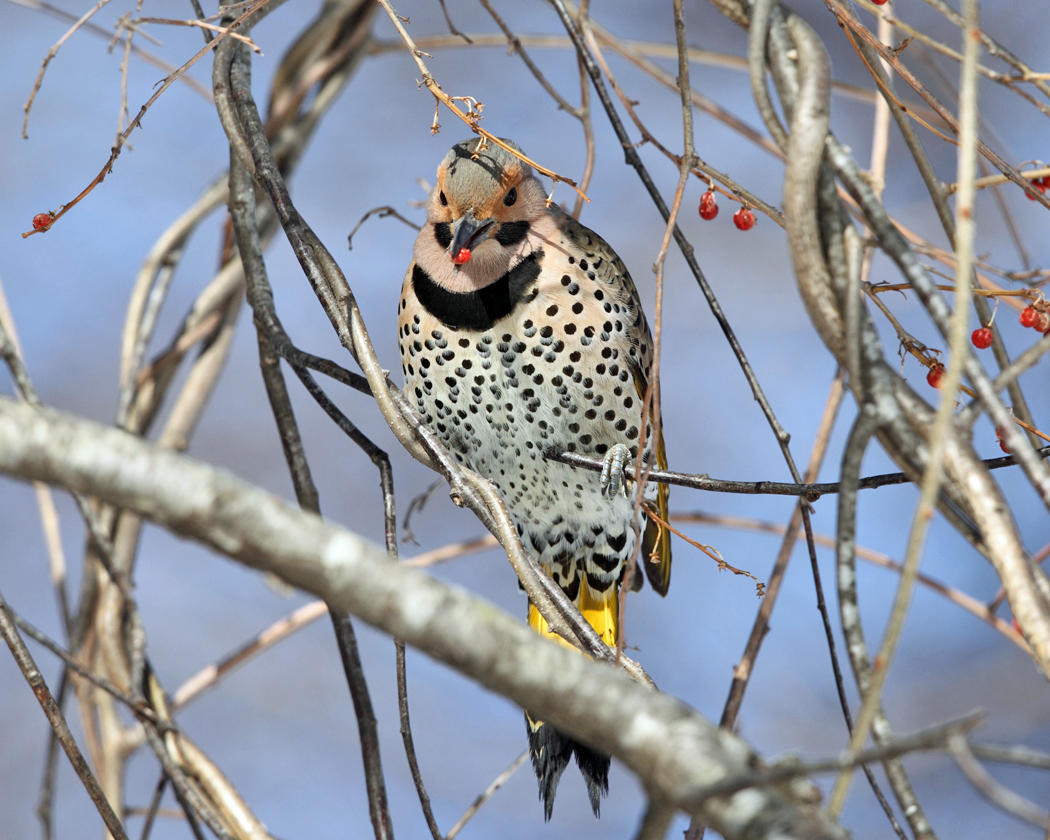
(613, 476)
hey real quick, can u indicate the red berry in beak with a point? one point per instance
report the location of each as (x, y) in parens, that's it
(462, 256)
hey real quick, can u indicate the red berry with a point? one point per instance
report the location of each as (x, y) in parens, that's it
(708, 206)
(1027, 316)
(462, 256)
(744, 219)
(879, 2)
(1040, 184)
(935, 374)
(42, 221)
(1042, 321)
(981, 338)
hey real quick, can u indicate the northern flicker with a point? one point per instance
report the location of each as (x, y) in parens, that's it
(521, 332)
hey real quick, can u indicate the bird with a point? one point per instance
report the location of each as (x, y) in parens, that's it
(521, 333)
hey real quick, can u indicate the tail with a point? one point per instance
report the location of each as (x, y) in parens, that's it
(550, 749)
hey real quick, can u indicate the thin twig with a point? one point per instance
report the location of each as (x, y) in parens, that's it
(209, 676)
(132, 704)
(382, 213)
(516, 46)
(471, 117)
(808, 491)
(11, 352)
(974, 606)
(209, 27)
(997, 793)
(942, 737)
(122, 138)
(54, 715)
(107, 34)
(486, 795)
(844, 15)
(51, 53)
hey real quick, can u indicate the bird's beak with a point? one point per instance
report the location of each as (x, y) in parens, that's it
(467, 231)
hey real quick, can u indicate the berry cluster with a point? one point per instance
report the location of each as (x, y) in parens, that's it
(744, 218)
(1036, 317)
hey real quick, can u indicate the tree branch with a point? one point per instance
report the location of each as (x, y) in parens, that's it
(677, 754)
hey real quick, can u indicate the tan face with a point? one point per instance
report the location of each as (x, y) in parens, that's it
(483, 201)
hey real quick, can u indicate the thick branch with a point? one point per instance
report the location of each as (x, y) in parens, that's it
(677, 754)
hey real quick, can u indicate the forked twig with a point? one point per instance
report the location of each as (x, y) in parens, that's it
(470, 118)
(122, 138)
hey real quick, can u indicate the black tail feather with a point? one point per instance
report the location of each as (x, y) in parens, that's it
(551, 750)
(595, 769)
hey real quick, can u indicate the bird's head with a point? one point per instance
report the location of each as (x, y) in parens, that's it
(484, 203)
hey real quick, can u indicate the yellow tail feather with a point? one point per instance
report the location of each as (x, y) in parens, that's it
(600, 609)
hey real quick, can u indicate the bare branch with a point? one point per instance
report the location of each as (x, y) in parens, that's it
(673, 749)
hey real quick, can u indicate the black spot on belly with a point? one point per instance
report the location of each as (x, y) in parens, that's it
(596, 583)
(481, 309)
(604, 561)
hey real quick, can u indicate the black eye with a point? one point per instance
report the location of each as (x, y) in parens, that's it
(442, 199)
(511, 197)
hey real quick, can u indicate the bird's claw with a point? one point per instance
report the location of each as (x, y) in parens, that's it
(613, 468)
